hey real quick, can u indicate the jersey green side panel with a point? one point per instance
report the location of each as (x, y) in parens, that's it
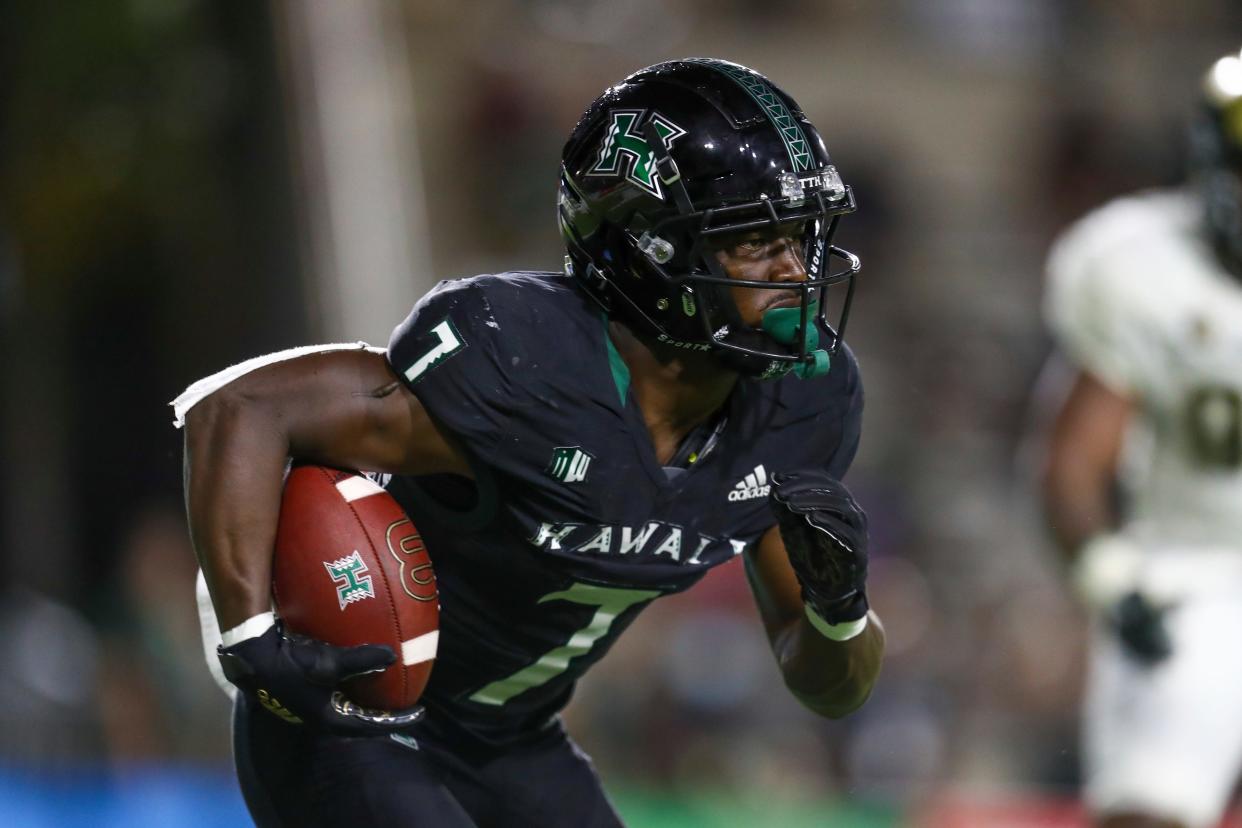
(620, 371)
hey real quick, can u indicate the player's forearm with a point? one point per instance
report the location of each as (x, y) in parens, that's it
(1077, 504)
(234, 466)
(831, 678)
(1080, 468)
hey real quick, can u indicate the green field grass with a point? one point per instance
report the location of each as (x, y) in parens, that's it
(643, 809)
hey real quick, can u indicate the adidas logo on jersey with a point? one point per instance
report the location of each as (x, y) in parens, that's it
(751, 486)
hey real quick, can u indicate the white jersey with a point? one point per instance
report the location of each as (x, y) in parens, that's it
(1138, 299)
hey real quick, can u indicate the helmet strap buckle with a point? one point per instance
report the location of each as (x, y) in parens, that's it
(667, 168)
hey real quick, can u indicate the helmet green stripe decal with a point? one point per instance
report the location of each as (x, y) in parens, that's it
(795, 141)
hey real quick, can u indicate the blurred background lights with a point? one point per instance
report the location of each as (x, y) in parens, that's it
(1225, 79)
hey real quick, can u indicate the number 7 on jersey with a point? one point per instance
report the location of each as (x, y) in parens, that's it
(448, 342)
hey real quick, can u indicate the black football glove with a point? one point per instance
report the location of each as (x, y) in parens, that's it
(825, 534)
(295, 678)
(1140, 625)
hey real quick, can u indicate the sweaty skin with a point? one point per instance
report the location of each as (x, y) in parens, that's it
(763, 257)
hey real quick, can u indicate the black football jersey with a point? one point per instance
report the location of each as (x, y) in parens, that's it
(572, 526)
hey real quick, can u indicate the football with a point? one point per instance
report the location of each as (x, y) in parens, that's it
(350, 568)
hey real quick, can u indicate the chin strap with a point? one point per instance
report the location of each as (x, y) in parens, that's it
(784, 325)
(777, 325)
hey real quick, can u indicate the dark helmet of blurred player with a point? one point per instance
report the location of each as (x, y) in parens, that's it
(1216, 158)
(682, 154)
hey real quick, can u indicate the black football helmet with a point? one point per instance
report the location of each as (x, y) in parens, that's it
(678, 154)
(1216, 158)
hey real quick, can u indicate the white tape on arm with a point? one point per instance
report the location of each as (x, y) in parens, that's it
(837, 632)
(252, 627)
(196, 392)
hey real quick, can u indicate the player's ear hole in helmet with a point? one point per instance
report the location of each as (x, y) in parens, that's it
(668, 165)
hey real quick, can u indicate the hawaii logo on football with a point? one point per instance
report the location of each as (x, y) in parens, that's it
(352, 582)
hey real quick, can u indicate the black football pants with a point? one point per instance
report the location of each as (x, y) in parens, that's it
(292, 777)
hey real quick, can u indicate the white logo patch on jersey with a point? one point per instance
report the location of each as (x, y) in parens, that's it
(569, 464)
(751, 486)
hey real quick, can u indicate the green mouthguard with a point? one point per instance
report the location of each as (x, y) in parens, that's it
(783, 325)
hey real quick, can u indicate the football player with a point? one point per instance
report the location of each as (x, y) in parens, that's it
(1145, 300)
(572, 445)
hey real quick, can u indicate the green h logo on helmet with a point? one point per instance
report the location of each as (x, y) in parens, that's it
(352, 584)
(624, 145)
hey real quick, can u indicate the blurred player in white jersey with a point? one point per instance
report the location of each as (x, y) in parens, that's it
(1145, 299)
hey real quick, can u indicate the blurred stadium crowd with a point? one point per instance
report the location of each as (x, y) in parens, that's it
(186, 183)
